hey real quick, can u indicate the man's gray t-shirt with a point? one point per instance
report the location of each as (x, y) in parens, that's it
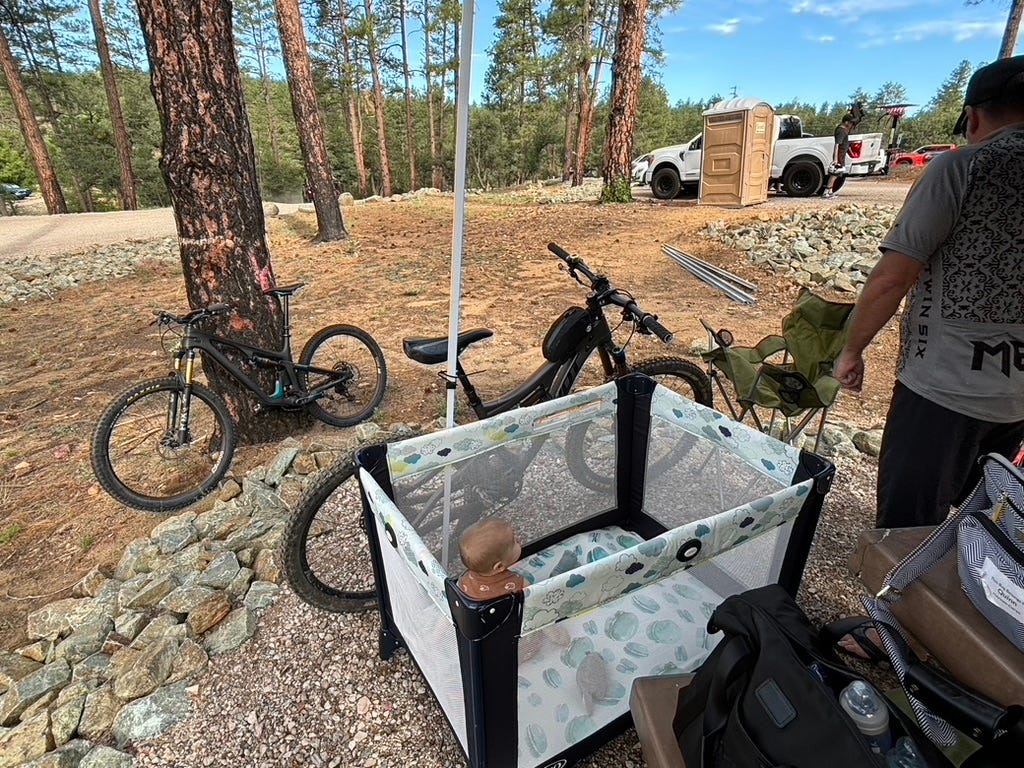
(962, 332)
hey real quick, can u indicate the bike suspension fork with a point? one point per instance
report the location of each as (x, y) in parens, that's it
(178, 405)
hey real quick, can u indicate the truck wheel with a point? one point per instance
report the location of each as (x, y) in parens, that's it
(803, 179)
(665, 184)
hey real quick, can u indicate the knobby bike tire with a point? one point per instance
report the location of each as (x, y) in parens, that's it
(677, 374)
(356, 356)
(324, 550)
(134, 460)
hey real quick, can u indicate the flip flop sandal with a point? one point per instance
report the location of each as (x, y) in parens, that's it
(855, 627)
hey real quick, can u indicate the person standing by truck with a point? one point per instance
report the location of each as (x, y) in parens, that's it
(842, 148)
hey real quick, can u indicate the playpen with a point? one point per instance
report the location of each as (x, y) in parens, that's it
(638, 511)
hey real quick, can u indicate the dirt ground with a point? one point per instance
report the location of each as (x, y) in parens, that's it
(63, 359)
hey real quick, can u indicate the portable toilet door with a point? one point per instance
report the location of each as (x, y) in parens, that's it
(739, 137)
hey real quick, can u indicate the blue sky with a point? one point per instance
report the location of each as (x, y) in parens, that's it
(778, 50)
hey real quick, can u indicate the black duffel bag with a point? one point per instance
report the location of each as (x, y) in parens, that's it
(768, 696)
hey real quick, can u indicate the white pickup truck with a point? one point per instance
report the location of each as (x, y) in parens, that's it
(798, 161)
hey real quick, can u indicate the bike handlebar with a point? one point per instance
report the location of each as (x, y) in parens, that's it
(193, 317)
(646, 322)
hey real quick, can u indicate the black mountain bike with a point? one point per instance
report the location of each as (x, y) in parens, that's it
(324, 550)
(165, 443)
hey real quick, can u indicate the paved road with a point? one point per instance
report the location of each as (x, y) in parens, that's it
(69, 233)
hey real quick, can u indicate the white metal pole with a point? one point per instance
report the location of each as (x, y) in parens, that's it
(461, 136)
(461, 142)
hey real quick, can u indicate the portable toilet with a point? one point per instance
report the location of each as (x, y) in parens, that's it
(739, 136)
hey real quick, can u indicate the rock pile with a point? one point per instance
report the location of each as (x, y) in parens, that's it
(118, 658)
(32, 276)
(832, 248)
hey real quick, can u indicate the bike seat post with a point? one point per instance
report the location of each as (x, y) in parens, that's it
(286, 321)
(467, 386)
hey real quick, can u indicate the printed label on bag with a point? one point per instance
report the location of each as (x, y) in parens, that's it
(1002, 592)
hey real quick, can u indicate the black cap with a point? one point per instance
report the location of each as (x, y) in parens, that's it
(988, 83)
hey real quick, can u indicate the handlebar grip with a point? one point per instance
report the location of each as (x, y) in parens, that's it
(559, 251)
(216, 309)
(651, 324)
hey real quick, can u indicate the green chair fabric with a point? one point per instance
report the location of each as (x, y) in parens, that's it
(789, 374)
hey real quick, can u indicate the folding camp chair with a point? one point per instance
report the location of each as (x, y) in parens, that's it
(784, 379)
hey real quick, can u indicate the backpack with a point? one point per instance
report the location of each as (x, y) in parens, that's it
(768, 695)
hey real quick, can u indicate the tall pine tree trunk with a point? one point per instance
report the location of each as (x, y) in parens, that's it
(373, 54)
(1009, 44)
(129, 198)
(209, 165)
(53, 196)
(436, 176)
(309, 122)
(409, 132)
(351, 92)
(629, 46)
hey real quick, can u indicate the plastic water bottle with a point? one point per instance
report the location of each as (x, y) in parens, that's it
(904, 755)
(866, 708)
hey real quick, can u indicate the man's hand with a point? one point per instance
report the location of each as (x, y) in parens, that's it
(850, 370)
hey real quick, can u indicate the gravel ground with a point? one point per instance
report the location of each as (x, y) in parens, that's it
(310, 690)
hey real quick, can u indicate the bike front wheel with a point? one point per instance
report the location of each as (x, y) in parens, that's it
(324, 550)
(141, 457)
(349, 368)
(593, 465)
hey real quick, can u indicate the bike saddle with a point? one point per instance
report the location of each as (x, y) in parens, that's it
(435, 350)
(284, 290)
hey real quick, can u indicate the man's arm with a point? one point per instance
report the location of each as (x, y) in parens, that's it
(886, 286)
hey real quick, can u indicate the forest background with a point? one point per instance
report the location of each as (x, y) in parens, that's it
(386, 76)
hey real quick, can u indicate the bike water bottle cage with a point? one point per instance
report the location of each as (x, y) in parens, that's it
(566, 333)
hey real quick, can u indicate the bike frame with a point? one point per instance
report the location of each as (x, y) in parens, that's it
(549, 380)
(286, 394)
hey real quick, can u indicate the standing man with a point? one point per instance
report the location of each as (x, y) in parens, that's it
(957, 246)
(842, 147)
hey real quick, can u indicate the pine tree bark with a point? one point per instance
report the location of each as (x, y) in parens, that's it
(129, 197)
(1009, 44)
(309, 122)
(209, 165)
(629, 45)
(49, 186)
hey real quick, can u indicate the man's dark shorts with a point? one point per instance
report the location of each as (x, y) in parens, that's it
(929, 458)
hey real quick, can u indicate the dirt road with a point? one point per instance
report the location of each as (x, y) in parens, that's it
(41, 235)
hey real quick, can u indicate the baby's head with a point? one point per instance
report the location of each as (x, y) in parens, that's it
(489, 546)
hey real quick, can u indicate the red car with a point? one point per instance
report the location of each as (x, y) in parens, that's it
(921, 155)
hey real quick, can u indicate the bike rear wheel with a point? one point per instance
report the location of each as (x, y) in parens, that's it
(324, 550)
(138, 458)
(593, 466)
(358, 374)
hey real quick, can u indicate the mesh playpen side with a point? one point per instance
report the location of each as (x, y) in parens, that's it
(639, 511)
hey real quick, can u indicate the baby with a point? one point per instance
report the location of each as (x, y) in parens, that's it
(487, 549)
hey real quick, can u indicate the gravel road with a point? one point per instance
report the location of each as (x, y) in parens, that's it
(41, 235)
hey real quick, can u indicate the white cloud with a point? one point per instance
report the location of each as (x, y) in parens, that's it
(727, 27)
(850, 10)
(823, 39)
(955, 31)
